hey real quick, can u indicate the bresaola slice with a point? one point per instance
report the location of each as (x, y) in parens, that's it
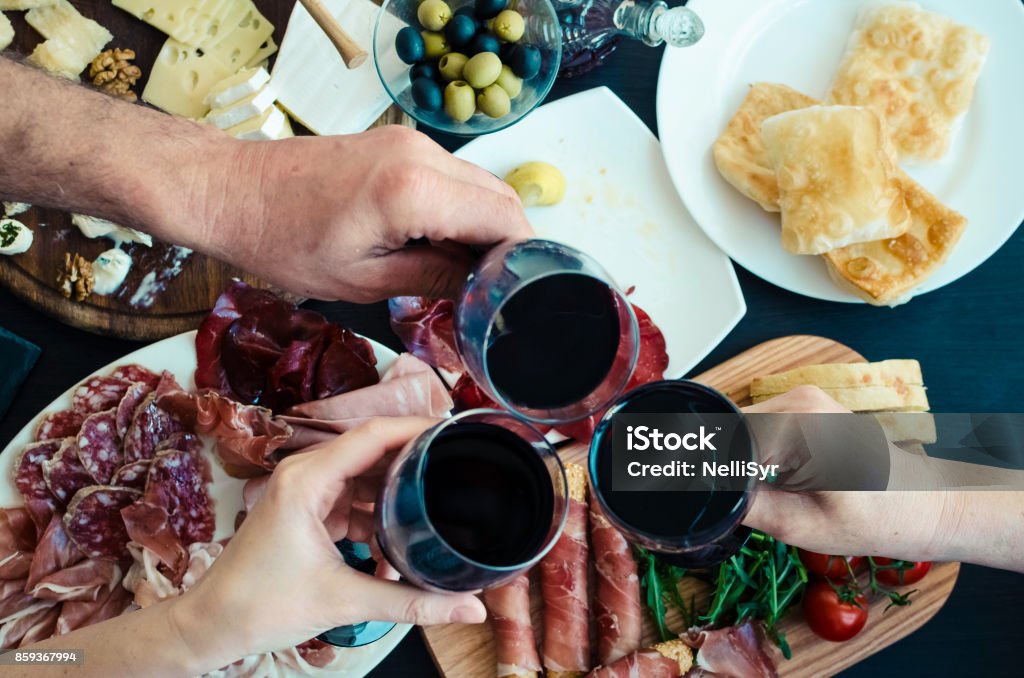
(64, 473)
(31, 483)
(99, 445)
(93, 520)
(426, 329)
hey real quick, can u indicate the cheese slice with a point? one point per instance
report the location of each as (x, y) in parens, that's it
(243, 40)
(56, 56)
(287, 132)
(840, 375)
(72, 40)
(181, 77)
(187, 21)
(7, 5)
(270, 125)
(6, 31)
(251, 106)
(909, 398)
(262, 56)
(237, 87)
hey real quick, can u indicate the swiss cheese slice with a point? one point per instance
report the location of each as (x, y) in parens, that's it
(181, 78)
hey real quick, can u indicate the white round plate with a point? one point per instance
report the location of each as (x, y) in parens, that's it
(177, 355)
(800, 43)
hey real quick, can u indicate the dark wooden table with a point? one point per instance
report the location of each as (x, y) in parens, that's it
(969, 337)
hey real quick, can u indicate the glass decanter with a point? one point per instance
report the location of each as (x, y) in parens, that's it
(591, 29)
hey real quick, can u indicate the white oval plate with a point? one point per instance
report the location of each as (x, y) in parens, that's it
(620, 208)
(800, 43)
(177, 355)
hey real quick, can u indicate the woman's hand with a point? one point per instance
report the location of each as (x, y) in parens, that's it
(281, 581)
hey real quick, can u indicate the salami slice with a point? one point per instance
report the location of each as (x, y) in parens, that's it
(136, 373)
(31, 484)
(64, 473)
(177, 481)
(150, 426)
(94, 522)
(132, 474)
(98, 394)
(60, 424)
(135, 394)
(99, 446)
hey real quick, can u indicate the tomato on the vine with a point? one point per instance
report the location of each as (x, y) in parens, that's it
(833, 567)
(834, 613)
(900, 573)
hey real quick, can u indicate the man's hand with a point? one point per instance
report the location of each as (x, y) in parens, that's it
(333, 217)
(281, 581)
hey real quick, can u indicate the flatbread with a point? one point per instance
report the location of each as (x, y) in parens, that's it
(916, 69)
(884, 272)
(873, 398)
(739, 152)
(841, 375)
(837, 178)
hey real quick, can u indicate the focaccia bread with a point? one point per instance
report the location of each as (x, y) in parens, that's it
(916, 69)
(837, 178)
(841, 375)
(739, 152)
(872, 398)
(885, 271)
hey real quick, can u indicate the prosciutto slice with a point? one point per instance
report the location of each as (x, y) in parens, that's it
(564, 584)
(732, 652)
(617, 609)
(248, 437)
(54, 552)
(509, 608)
(648, 663)
(13, 597)
(29, 624)
(77, 614)
(17, 542)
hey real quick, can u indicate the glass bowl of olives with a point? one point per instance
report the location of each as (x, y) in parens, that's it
(467, 67)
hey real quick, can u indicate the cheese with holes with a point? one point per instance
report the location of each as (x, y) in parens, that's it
(244, 40)
(237, 87)
(271, 125)
(181, 77)
(6, 31)
(262, 57)
(251, 106)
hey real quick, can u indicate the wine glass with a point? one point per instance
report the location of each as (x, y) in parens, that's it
(544, 330)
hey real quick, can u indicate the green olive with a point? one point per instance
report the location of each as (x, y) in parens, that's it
(435, 45)
(510, 82)
(433, 14)
(459, 103)
(508, 25)
(537, 183)
(482, 70)
(494, 102)
(451, 65)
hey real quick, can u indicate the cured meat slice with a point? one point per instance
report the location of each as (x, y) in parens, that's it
(133, 397)
(40, 626)
(32, 620)
(98, 394)
(17, 542)
(85, 580)
(94, 522)
(347, 364)
(316, 653)
(77, 614)
(664, 660)
(99, 445)
(733, 651)
(54, 552)
(509, 608)
(150, 426)
(58, 425)
(31, 483)
(426, 329)
(617, 610)
(13, 597)
(249, 438)
(64, 473)
(564, 584)
(175, 509)
(132, 475)
(133, 373)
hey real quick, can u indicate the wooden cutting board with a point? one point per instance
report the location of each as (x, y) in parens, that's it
(464, 651)
(187, 296)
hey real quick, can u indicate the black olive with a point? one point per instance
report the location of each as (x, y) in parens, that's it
(525, 61)
(506, 52)
(485, 42)
(426, 92)
(409, 45)
(468, 10)
(488, 9)
(460, 30)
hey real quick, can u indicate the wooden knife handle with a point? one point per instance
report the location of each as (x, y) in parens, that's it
(349, 49)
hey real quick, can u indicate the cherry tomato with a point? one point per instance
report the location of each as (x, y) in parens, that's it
(833, 567)
(833, 616)
(914, 572)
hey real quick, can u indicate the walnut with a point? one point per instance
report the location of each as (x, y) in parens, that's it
(76, 278)
(113, 73)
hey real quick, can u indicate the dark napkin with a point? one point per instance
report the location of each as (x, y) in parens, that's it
(17, 357)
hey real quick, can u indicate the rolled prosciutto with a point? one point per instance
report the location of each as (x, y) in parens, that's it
(732, 651)
(664, 660)
(617, 610)
(509, 609)
(564, 584)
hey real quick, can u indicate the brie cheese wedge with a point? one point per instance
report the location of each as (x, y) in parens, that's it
(237, 87)
(273, 124)
(251, 106)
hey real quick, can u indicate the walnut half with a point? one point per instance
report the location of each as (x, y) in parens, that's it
(76, 278)
(113, 72)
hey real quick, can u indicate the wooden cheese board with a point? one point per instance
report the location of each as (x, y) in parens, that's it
(467, 651)
(188, 295)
